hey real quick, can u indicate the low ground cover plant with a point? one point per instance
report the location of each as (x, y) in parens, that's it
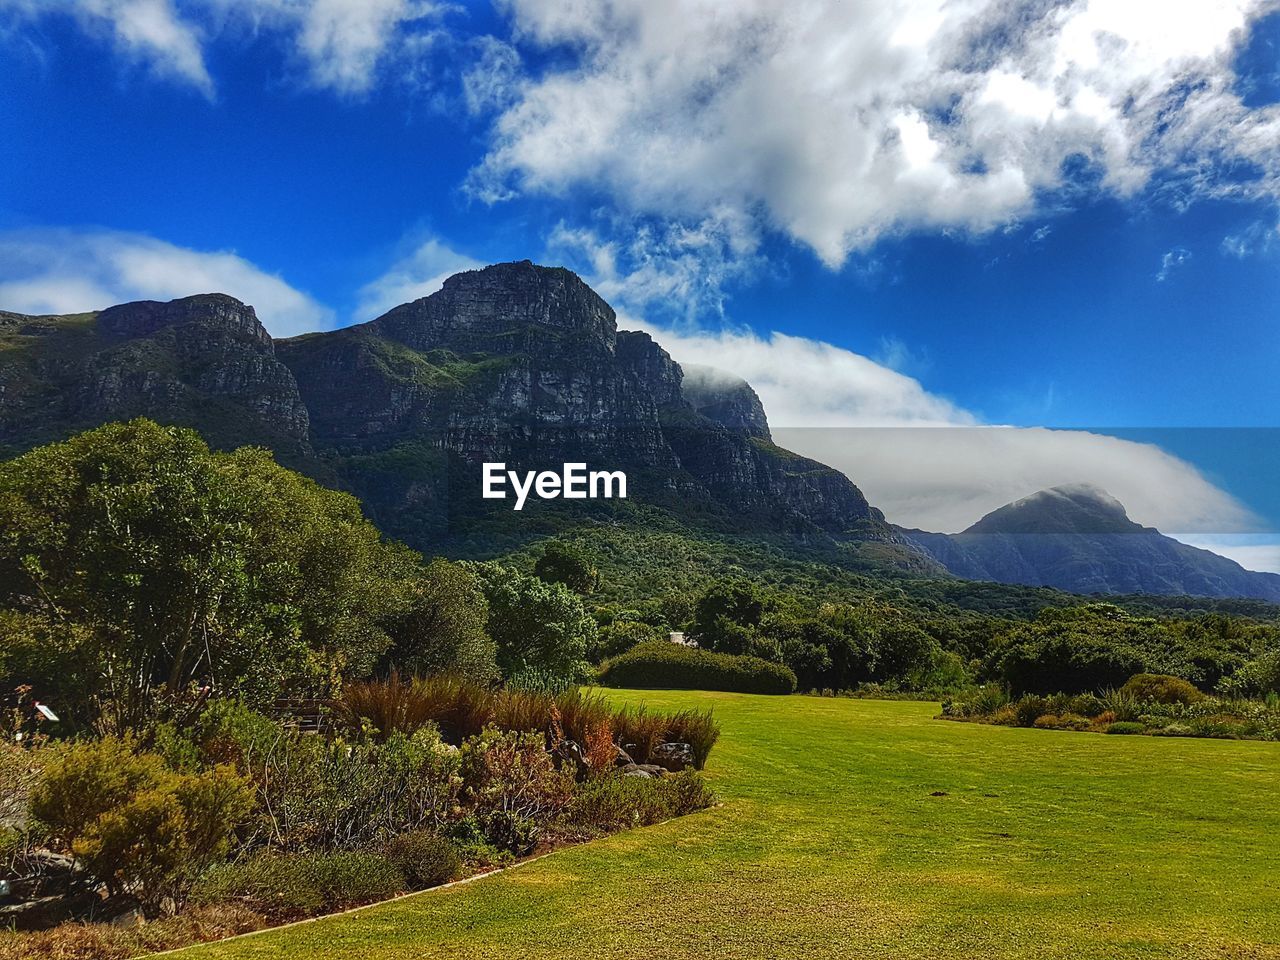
(1154, 704)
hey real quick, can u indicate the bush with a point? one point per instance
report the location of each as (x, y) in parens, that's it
(1046, 722)
(384, 707)
(515, 786)
(583, 714)
(1125, 727)
(671, 666)
(161, 562)
(425, 859)
(136, 824)
(313, 793)
(293, 885)
(1161, 688)
(1028, 709)
(615, 802)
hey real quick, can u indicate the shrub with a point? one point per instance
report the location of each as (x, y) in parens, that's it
(1086, 704)
(1122, 705)
(669, 665)
(536, 625)
(524, 711)
(292, 885)
(622, 635)
(1125, 727)
(386, 706)
(19, 773)
(160, 560)
(313, 793)
(1005, 716)
(616, 802)
(136, 824)
(515, 786)
(1161, 688)
(582, 714)
(442, 625)
(1028, 709)
(1047, 721)
(426, 859)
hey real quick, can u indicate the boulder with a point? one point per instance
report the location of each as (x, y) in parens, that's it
(674, 756)
(645, 770)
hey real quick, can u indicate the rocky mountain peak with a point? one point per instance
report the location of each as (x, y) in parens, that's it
(1072, 508)
(144, 318)
(502, 309)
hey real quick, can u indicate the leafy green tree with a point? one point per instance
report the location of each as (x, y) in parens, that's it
(725, 616)
(538, 627)
(442, 627)
(146, 563)
(1089, 648)
(564, 563)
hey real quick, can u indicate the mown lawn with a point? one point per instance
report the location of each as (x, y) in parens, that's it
(867, 829)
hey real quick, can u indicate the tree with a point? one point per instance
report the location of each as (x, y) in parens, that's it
(565, 563)
(146, 563)
(537, 626)
(443, 625)
(726, 615)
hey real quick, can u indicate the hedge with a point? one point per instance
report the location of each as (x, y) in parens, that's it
(671, 666)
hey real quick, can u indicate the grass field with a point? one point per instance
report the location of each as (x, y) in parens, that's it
(855, 828)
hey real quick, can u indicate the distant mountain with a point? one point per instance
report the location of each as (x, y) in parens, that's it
(1079, 538)
(515, 362)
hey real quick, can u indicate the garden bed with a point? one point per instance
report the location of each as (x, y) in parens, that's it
(238, 821)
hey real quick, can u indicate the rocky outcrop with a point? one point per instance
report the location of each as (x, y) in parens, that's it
(1079, 538)
(204, 361)
(726, 399)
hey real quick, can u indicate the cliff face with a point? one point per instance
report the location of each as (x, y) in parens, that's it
(726, 399)
(515, 362)
(203, 361)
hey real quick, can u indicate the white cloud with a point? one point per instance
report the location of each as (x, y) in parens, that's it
(946, 478)
(1171, 261)
(931, 464)
(150, 31)
(1258, 237)
(663, 268)
(806, 383)
(1251, 551)
(70, 271)
(837, 123)
(341, 43)
(419, 274)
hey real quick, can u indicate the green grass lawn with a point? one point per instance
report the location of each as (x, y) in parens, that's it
(857, 828)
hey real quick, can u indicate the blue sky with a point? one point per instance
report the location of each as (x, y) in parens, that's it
(1062, 219)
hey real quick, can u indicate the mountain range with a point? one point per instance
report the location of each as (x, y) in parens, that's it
(525, 364)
